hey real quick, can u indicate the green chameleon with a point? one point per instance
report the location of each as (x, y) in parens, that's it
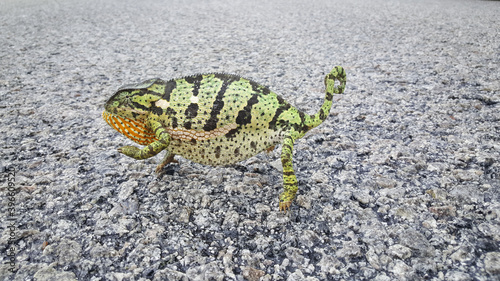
(214, 119)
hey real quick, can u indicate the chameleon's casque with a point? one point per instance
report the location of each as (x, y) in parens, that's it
(214, 119)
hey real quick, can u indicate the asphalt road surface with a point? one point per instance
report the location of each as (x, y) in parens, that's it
(401, 182)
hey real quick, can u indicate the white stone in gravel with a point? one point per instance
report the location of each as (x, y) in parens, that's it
(393, 193)
(330, 265)
(456, 275)
(169, 274)
(385, 182)
(304, 201)
(119, 276)
(67, 251)
(372, 258)
(308, 238)
(209, 271)
(215, 176)
(276, 164)
(202, 217)
(363, 196)
(262, 208)
(232, 218)
(400, 269)
(126, 189)
(490, 229)
(429, 223)
(382, 277)
(183, 215)
(492, 263)
(462, 254)
(295, 255)
(252, 274)
(319, 177)
(49, 273)
(349, 249)
(399, 251)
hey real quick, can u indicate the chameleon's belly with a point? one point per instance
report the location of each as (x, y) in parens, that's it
(223, 150)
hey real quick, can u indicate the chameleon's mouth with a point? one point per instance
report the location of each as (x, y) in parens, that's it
(133, 130)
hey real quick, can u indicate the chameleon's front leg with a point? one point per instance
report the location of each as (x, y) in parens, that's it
(289, 180)
(153, 148)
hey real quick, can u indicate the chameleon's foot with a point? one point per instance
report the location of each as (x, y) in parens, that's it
(284, 206)
(286, 199)
(130, 151)
(167, 160)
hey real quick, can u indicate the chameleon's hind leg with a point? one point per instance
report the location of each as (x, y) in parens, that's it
(169, 158)
(151, 149)
(289, 180)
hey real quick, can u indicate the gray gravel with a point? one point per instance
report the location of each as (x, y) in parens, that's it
(402, 181)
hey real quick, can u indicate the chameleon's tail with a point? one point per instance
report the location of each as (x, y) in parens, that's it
(337, 73)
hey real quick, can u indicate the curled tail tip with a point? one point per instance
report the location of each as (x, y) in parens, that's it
(337, 73)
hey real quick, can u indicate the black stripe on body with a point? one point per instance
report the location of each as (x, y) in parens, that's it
(191, 110)
(302, 118)
(245, 115)
(138, 105)
(195, 80)
(169, 87)
(171, 112)
(257, 88)
(155, 109)
(218, 104)
(232, 133)
(302, 127)
(283, 106)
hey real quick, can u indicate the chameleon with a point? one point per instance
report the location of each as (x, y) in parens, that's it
(214, 119)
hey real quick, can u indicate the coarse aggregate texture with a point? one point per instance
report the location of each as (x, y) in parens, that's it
(402, 181)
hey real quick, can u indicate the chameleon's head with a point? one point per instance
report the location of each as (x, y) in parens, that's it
(128, 109)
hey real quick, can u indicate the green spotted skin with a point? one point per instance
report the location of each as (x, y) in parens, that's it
(214, 119)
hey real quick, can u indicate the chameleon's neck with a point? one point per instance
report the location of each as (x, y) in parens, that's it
(337, 73)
